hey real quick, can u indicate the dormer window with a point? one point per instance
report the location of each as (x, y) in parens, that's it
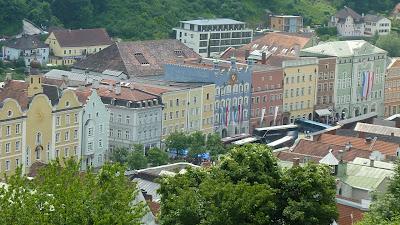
(9, 113)
(67, 103)
(141, 59)
(179, 53)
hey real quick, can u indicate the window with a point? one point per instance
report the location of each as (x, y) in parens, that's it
(75, 134)
(17, 128)
(128, 119)
(66, 151)
(119, 118)
(111, 117)
(141, 59)
(90, 131)
(90, 146)
(38, 138)
(101, 128)
(17, 145)
(66, 136)
(57, 137)
(37, 153)
(8, 130)
(127, 134)
(7, 165)
(8, 147)
(57, 153)
(75, 150)
(67, 119)
(111, 132)
(119, 133)
(17, 162)
(76, 117)
(100, 143)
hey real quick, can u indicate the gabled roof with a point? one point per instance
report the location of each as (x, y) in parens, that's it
(329, 159)
(139, 58)
(346, 11)
(360, 143)
(342, 49)
(26, 43)
(274, 44)
(373, 18)
(377, 129)
(82, 37)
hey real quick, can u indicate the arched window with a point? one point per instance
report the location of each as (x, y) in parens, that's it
(38, 138)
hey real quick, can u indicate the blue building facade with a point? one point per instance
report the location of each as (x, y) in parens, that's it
(232, 92)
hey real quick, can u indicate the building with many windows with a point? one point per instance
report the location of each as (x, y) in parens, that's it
(392, 88)
(325, 91)
(187, 107)
(266, 96)
(38, 122)
(375, 24)
(68, 46)
(209, 37)
(233, 90)
(27, 48)
(300, 78)
(359, 77)
(286, 23)
(135, 115)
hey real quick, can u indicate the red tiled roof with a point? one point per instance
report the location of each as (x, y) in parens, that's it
(320, 149)
(83, 94)
(17, 90)
(386, 148)
(348, 215)
(127, 57)
(82, 37)
(127, 93)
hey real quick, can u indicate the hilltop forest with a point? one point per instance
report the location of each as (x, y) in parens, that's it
(153, 19)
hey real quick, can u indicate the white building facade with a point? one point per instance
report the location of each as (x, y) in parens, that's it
(213, 36)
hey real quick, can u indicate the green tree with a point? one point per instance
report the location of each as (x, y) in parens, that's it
(386, 209)
(61, 194)
(119, 155)
(136, 160)
(248, 187)
(197, 143)
(177, 141)
(390, 43)
(157, 157)
(214, 145)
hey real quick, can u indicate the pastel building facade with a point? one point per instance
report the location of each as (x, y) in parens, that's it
(232, 91)
(359, 77)
(300, 77)
(286, 23)
(392, 88)
(39, 123)
(95, 129)
(267, 97)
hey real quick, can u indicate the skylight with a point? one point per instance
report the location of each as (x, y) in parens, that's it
(141, 59)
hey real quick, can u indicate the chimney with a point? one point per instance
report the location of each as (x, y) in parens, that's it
(340, 155)
(392, 134)
(246, 54)
(368, 140)
(371, 162)
(264, 58)
(118, 88)
(348, 146)
(8, 78)
(65, 79)
(296, 162)
(96, 84)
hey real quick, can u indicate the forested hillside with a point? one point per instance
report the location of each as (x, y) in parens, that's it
(149, 19)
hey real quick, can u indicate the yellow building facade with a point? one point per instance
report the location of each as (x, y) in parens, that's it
(67, 46)
(299, 88)
(188, 109)
(28, 130)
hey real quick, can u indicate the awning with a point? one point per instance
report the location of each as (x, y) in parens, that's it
(323, 112)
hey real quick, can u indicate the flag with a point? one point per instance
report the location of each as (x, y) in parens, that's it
(262, 116)
(239, 114)
(226, 116)
(275, 114)
(370, 82)
(365, 85)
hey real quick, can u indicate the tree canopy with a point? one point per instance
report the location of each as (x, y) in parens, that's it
(63, 195)
(248, 187)
(154, 19)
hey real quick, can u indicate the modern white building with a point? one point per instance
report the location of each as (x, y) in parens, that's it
(209, 37)
(376, 25)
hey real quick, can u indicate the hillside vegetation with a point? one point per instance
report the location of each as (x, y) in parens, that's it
(152, 19)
